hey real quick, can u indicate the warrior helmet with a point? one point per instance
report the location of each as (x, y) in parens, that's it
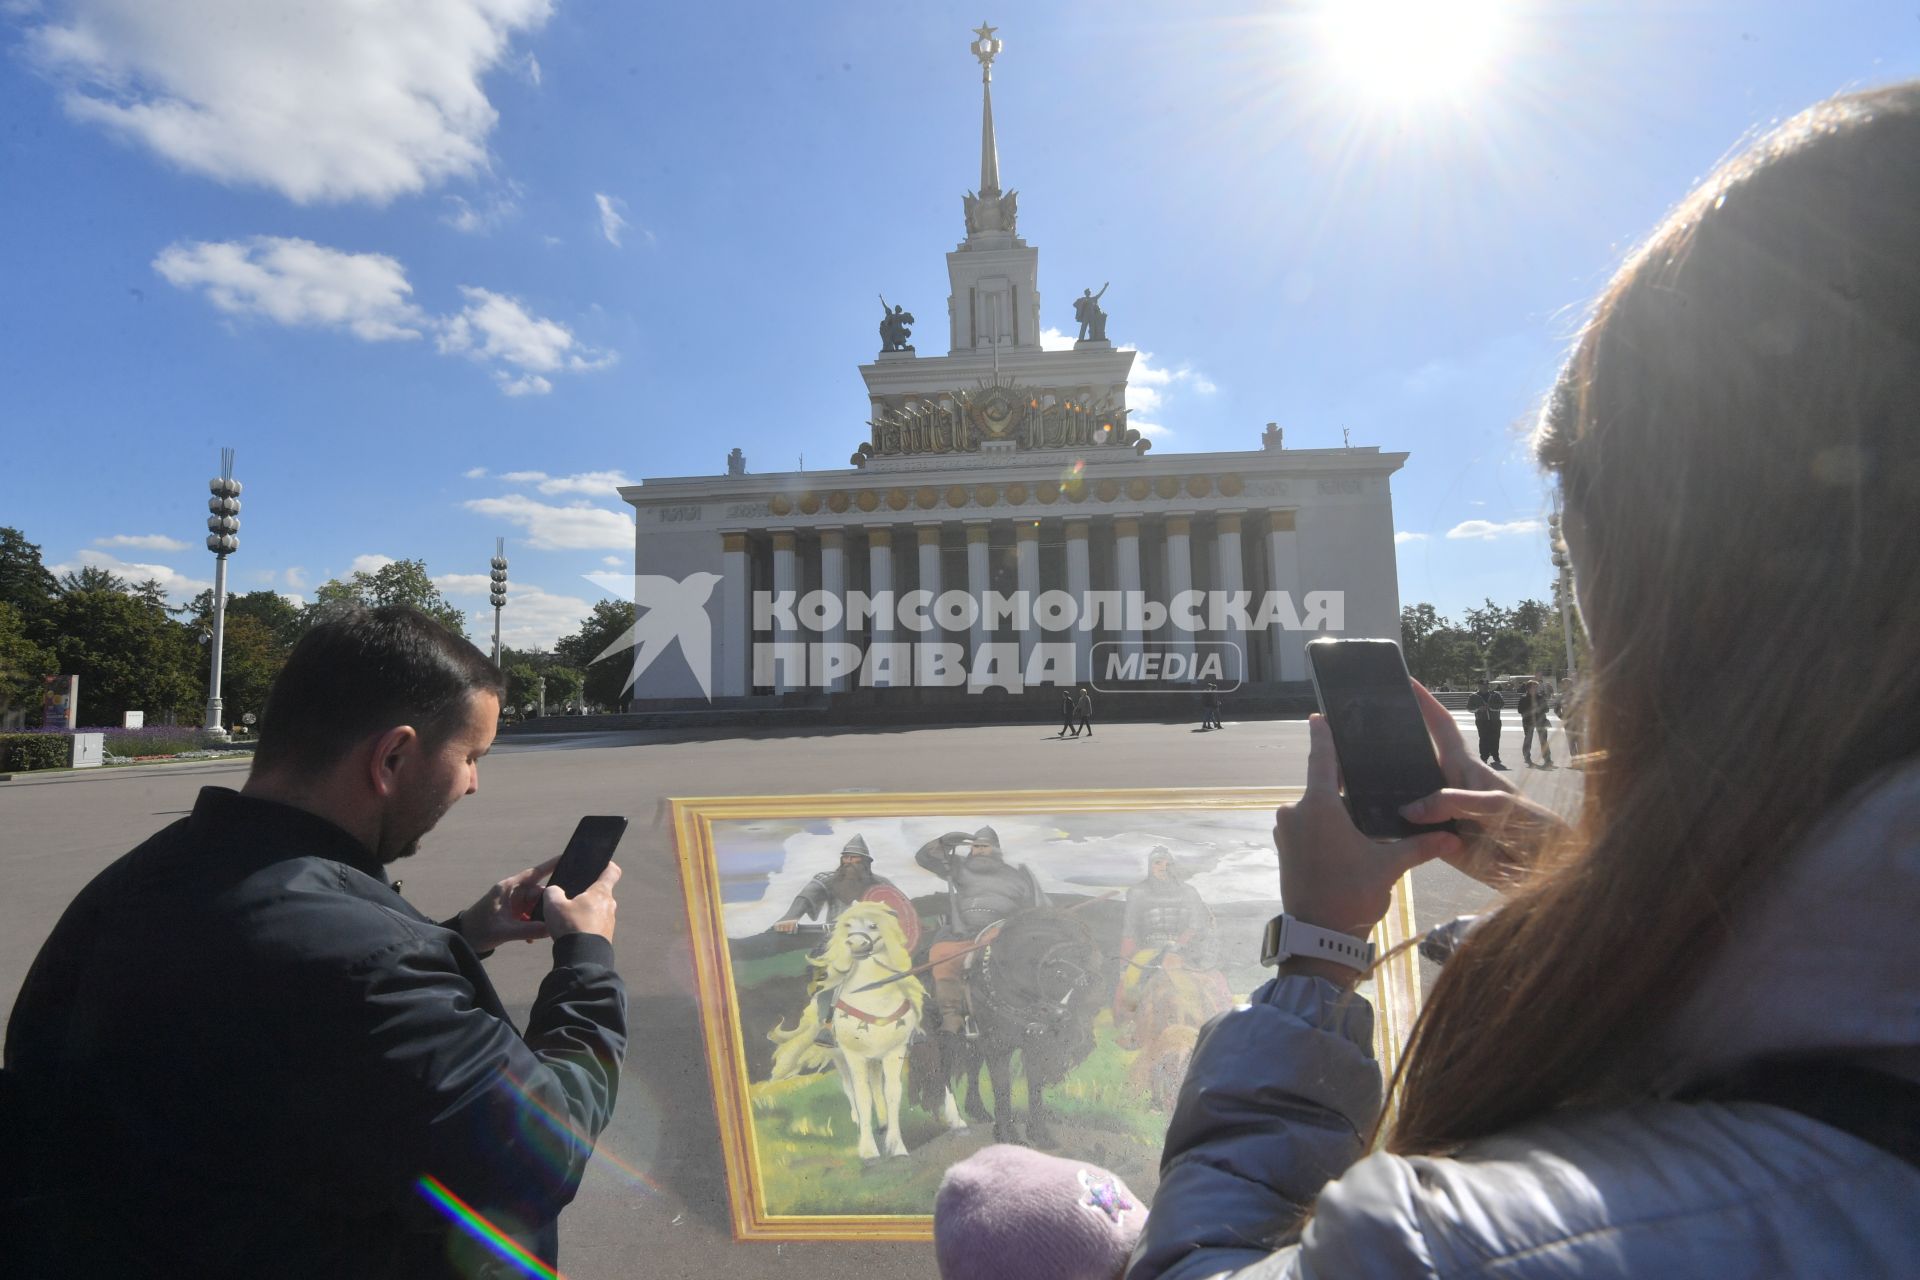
(856, 848)
(986, 838)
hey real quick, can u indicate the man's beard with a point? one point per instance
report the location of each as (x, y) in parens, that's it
(850, 882)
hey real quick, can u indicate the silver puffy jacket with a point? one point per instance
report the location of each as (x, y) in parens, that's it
(1280, 1093)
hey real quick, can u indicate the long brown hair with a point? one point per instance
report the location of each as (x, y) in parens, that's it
(1737, 440)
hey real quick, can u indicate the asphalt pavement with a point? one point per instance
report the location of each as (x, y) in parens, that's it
(664, 1212)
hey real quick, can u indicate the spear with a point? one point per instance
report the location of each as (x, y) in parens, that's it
(978, 946)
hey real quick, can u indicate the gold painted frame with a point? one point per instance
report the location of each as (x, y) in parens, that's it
(1396, 982)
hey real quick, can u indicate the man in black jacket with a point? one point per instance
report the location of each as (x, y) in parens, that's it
(258, 1059)
(1485, 704)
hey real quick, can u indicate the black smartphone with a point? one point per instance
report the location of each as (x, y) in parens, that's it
(586, 856)
(1386, 754)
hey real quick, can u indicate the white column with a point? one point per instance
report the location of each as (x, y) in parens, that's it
(880, 582)
(1026, 543)
(1126, 563)
(929, 537)
(1179, 579)
(979, 578)
(1229, 579)
(1079, 582)
(735, 642)
(833, 583)
(1289, 648)
(783, 584)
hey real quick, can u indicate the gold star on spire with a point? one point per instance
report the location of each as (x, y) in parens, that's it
(984, 31)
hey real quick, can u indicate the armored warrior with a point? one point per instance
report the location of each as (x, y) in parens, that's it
(1166, 918)
(831, 892)
(1162, 911)
(834, 891)
(982, 890)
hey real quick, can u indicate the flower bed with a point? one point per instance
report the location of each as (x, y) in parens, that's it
(49, 748)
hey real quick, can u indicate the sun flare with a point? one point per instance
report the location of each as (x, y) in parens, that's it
(1413, 49)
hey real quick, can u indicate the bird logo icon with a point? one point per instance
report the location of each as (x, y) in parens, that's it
(665, 610)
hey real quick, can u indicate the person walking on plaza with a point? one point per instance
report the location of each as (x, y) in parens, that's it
(1485, 703)
(1066, 713)
(248, 1055)
(1544, 698)
(1083, 705)
(1210, 707)
(1529, 696)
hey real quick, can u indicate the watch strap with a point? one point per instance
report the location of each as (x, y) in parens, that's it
(1287, 937)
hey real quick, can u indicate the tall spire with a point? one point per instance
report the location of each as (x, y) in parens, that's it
(984, 49)
(989, 211)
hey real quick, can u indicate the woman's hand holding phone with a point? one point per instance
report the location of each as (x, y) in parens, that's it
(1504, 831)
(1332, 875)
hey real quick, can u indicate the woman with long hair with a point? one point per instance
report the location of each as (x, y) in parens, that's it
(1687, 1042)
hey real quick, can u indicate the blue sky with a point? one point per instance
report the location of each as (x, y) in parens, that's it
(454, 273)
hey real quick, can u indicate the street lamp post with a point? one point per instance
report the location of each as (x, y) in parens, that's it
(223, 528)
(499, 596)
(1564, 564)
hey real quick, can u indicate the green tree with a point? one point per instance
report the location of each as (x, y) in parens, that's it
(606, 681)
(92, 578)
(285, 618)
(128, 655)
(24, 581)
(251, 656)
(402, 582)
(24, 665)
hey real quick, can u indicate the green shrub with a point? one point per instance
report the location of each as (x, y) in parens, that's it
(23, 751)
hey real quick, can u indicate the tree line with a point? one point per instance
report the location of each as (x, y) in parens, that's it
(1491, 641)
(133, 651)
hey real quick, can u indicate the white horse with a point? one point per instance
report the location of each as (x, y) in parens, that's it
(870, 1029)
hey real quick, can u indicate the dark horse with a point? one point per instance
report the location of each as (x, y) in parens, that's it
(1034, 990)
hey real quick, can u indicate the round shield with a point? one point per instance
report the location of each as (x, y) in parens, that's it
(888, 896)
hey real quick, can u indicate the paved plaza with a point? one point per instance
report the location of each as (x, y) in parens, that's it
(663, 1213)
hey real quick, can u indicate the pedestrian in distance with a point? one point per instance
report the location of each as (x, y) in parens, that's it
(1543, 700)
(1210, 707)
(1485, 703)
(1083, 706)
(1066, 713)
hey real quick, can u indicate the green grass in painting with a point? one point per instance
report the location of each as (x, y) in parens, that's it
(806, 1138)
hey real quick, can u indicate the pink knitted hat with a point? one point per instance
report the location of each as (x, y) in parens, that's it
(1008, 1213)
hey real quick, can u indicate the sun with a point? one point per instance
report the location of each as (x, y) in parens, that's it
(1412, 50)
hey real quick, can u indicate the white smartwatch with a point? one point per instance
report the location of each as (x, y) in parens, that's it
(1287, 937)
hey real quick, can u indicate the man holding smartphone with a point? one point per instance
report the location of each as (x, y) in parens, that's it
(252, 1057)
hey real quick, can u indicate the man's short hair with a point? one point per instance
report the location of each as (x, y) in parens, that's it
(359, 672)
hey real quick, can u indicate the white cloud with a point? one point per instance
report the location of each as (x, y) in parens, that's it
(533, 619)
(612, 562)
(493, 209)
(296, 577)
(297, 601)
(142, 542)
(474, 473)
(1399, 538)
(179, 587)
(575, 527)
(598, 484)
(371, 563)
(1488, 530)
(494, 326)
(319, 102)
(611, 223)
(530, 68)
(299, 283)
(527, 384)
(1052, 339)
(1150, 387)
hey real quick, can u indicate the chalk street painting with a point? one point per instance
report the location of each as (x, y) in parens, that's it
(890, 982)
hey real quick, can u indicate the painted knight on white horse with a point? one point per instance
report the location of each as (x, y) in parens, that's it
(875, 1012)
